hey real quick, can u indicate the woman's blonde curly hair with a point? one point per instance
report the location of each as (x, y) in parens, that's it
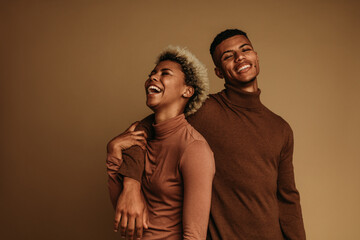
(195, 75)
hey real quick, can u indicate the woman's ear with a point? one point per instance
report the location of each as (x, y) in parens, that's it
(189, 91)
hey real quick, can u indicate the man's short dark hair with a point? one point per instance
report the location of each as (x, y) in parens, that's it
(228, 33)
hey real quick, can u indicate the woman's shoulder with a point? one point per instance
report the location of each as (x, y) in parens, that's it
(193, 134)
(194, 140)
(197, 151)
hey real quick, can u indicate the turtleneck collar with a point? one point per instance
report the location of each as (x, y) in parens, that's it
(241, 98)
(169, 126)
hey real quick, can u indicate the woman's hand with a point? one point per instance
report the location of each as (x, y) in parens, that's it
(126, 140)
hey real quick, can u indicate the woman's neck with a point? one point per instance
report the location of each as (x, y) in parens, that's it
(161, 116)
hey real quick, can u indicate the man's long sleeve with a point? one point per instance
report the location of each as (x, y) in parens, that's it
(133, 158)
(291, 221)
(114, 182)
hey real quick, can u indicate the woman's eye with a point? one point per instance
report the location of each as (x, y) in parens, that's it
(165, 73)
(152, 73)
(246, 49)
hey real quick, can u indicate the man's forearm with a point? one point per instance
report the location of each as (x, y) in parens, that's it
(133, 163)
(133, 158)
(118, 184)
(114, 180)
(115, 188)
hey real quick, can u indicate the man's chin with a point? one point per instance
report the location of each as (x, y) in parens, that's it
(242, 82)
(247, 82)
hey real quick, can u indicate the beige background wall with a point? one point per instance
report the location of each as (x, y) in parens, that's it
(72, 74)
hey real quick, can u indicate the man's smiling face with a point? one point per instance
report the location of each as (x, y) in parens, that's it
(236, 61)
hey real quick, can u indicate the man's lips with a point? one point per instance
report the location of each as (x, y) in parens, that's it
(243, 68)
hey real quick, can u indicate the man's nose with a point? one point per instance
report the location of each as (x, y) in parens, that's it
(239, 56)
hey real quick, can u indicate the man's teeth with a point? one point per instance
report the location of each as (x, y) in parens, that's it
(154, 89)
(243, 67)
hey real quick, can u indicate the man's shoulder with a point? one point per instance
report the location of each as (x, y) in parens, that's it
(216, 96)
(213, 101)
(278, 119)
(212, 106)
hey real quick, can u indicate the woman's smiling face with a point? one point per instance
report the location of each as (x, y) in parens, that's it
(165, 87)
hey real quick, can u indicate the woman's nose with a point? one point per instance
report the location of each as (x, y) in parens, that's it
(153, 77)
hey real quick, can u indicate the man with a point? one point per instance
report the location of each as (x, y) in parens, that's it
(254, 194)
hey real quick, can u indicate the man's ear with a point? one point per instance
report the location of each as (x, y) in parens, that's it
(189, 91)
(257, 56)
(218, 72)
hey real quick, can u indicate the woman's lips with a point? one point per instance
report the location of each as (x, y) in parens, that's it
(152, 89)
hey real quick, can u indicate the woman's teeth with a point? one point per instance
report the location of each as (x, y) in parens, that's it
(153, 89)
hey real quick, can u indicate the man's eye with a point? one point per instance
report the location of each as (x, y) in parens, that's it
(164, 73)
(246, 49)
(227, 57)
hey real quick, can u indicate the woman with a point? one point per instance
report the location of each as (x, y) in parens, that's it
(179, 164)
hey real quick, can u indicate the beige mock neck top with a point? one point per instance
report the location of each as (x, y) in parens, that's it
(179, 169)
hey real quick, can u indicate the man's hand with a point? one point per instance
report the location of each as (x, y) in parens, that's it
(131, 211)
(125, 140)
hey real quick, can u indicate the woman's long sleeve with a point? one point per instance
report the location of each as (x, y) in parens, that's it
(198, 168)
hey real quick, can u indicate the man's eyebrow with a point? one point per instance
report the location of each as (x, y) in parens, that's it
(226, 52)
(245, 44)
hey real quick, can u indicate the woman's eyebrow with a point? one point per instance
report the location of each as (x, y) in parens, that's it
(166, 69)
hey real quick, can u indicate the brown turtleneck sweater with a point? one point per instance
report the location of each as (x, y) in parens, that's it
(254, 194)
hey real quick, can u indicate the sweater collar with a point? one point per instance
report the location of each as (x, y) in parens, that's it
(169, 126)
(241, 98)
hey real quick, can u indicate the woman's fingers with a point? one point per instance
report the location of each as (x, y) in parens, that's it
(129, 139)
(132, 127)
(142, 144)
(140, 138)
(139, 141)
(139, 133)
